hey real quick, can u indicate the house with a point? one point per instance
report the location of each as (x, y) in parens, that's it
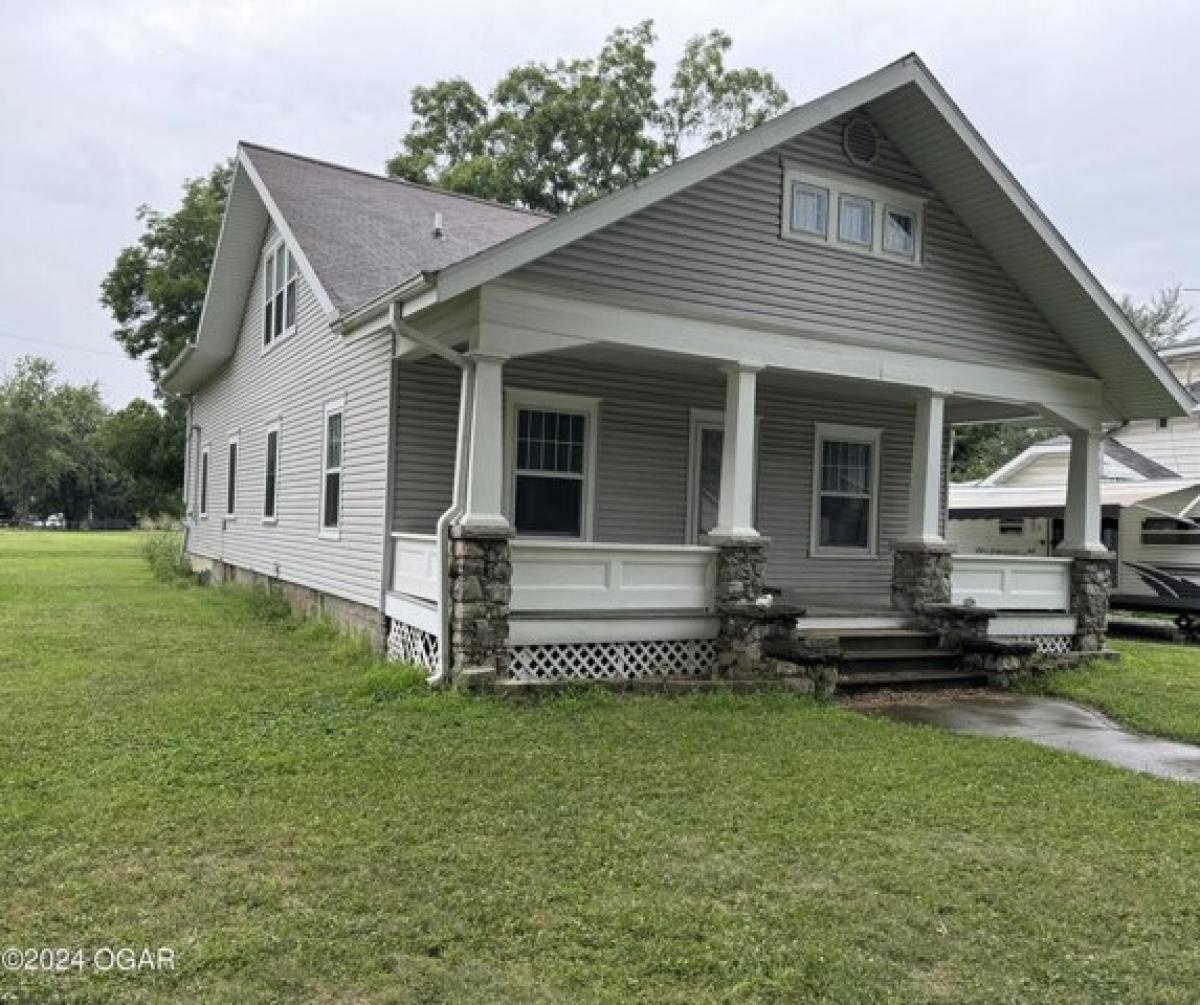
(1150, 500)
(594, 446)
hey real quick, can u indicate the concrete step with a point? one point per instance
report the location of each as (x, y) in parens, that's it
(890, 639)
(851, 679)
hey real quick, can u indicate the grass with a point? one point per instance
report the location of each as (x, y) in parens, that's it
(1155, 688)
(181, 767)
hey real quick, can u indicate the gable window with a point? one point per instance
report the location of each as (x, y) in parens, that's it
(231, 478)
(271, 475)
(332, 454)
(810, 209)
(552, 446)
(279, 294)
(856, 219)
(845, 490)
(863, 217)
(204, 480)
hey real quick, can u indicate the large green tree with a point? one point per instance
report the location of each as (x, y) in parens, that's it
(155, 290)
(551, 136)
(146, 445)
(1163, 319)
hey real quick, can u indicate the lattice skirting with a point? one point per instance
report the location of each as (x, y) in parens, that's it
(1053, 645)
(409, 644)
(614, 660)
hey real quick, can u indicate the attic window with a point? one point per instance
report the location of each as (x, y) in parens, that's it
(861, 142)
(279, 295)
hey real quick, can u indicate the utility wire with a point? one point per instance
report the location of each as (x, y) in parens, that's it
(65, 345)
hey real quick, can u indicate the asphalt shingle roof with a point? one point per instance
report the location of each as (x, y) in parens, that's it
(365, 234)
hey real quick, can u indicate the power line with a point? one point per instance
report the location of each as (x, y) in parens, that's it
(65, 345)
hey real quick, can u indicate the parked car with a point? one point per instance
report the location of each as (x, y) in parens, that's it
(56, 521)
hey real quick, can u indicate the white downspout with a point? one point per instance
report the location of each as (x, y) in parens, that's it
(462, 461)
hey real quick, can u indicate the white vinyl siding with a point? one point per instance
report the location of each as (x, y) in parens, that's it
(292, 384)
(642, 471)
(715, 250)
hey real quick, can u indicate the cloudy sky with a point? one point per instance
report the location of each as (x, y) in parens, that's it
(106, 104)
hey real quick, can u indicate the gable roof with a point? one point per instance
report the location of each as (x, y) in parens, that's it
(1132, 460)
(924, 124)
(353, 235)
(981, 502)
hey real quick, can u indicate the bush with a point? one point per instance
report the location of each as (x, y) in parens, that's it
(164, 551)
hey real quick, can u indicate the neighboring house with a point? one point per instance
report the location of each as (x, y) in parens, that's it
(587, 446)
(1148, 506)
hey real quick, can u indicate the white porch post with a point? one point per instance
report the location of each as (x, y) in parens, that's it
(735, 509)
(1082, 517)
(484, 508)
(925, 485)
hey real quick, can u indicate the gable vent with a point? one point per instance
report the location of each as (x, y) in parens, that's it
(861, 142)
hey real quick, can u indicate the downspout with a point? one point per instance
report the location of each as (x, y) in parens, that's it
(466, 410)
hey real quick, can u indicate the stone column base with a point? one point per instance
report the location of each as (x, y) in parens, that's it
(920, 575)
(1091, 579)
(741, 569)
(480, 576)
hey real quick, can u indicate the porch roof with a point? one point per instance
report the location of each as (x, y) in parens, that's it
(985, 501)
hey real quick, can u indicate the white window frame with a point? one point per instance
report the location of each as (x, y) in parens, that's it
(205, 473)
(700, 419)
(881, 197)
(515, 399)
(268, 273)
(335, 407)
(835, 432)
(272, 427)
(232, 486)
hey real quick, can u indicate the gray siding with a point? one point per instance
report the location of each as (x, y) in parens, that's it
(715, 250)
(292, 383)
(642, 463)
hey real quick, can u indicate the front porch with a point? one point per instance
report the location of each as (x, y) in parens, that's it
(610, 559)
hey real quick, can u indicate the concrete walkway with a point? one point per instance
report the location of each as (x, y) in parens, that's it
(1052, 722)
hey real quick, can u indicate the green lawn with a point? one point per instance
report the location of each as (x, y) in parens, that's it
(303, 825)
(1155, 688)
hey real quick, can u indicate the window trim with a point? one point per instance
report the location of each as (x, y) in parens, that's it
(335, 407)
(882, 199)
(232, 483)
(838, 433)
(272, 427)
(516, 398)
(265, 344)
(204, 472)
(700, 419)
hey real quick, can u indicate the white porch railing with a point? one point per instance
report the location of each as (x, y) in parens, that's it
(566, 576)
(415, 565)
(1012, 582)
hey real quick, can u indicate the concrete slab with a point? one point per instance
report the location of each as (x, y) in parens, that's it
(1052, 722)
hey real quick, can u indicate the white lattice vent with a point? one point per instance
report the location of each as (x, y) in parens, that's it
(1053, 645)
(409, 644)
(614, 660)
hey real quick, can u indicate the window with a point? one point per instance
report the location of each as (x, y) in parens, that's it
(204, 480)
(231, 479)
(271, 475)
(1163, 530)
(1164, 423)
(845, 490)
(866, 218)
(279, 294)
(1010, 526)
(899, 232)
(332, 454)
(810, 209)
(705, 460)
(856, 217)
(552, 443)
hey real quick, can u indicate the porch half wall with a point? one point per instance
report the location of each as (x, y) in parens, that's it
(642, 462)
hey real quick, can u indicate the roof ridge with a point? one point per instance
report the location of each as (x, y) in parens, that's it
(395, 181)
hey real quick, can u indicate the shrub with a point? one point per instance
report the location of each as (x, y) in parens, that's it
(164, 551)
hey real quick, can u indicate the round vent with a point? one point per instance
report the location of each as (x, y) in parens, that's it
(861, 142)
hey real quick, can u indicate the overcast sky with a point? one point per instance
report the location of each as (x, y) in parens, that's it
(106, 104)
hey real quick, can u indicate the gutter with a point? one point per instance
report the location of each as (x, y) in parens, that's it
(466, 410)
(385, 304)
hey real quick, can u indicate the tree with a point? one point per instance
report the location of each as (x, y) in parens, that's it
(1163, 319)
(155, 290)
(31, 454)
(554, 136)
(144, 443)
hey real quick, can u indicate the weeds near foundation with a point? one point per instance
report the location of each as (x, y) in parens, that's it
(164, 551)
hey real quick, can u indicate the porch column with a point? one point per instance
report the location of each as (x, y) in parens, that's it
(484, 507)
(1091, 565)
(479, 556)
(735, 510)
(921, 564)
